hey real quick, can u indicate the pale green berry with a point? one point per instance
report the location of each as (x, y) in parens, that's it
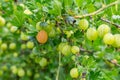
(74, 73)
(43, 62)
(4, 46)
(83, 24)
(108, 39)
(66, 50)
(117, 40)
(103, 29)
(75, 49)
(2, 21)
(24, 37)
(27, 12)
(21, 72)
(92, 34)
(30, 44)
(23, 46)
(13, 29)
(12, 46)
(14, 69)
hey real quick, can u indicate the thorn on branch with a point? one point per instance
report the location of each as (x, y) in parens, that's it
(105, 20)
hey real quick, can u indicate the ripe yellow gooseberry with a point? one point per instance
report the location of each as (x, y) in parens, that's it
(117, 40)
(74, 73)
(91, 34)
(103, 29)
(2, 21)
(42, 37)
(83, 24)
(108, 39)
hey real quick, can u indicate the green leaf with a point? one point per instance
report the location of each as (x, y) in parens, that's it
(90, 8)
(68, 3)
(79, 2)
(57, 7)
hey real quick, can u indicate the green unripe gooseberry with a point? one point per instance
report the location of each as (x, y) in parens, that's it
(83, 24)
(75, 49)
(74, 73)
(108, 39)
(4, 46)
(21, 72)
(43, 62)
(92, 34)
(117, 40)
(66, 50)
(30, 44)
(12, 46)
(2, 21)
(103, 29)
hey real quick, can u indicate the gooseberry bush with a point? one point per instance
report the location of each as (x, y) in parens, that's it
(59, 40)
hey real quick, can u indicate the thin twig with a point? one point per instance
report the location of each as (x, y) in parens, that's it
(84, 50)
(98, 11)
(110, 61)
(116, 64)
(105, 20)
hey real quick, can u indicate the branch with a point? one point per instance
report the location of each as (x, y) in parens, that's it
(105, 20)
(98, 11)
(58, 70)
